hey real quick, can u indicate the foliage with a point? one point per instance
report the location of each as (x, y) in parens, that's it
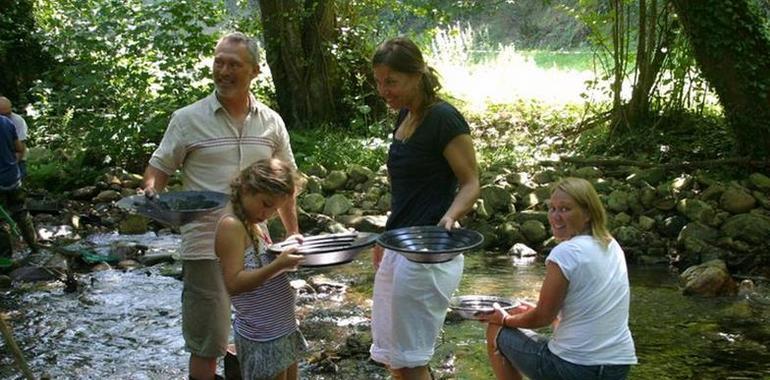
(334, 148)
(21, 55)
(123, 66)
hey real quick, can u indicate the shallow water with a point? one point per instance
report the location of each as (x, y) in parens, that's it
(126, 325)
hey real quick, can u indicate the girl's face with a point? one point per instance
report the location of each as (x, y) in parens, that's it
(566, 218)
(259, 207)
(399, 90)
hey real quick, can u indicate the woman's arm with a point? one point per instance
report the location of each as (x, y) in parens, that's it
(230, 245)
(462, 159)
(551, 298)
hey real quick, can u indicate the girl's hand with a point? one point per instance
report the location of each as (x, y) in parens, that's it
(377, 253)
(298, 237)
(288, 259)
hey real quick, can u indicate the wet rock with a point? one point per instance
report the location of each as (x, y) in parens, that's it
(713, 192)
(540, 216)
(646, 223)
(33, 274)
(369, 223)
(697, 211)
(522, 250)
(748, 227)
(128, 264)
(156, 258)
(709, 279)
(85, 193)
(672, 225)
(760, 181)
(133, 224)
(317, 170)
(587, 172)
(312, 202)
(107, 196)
(314, 185)
(359, 174)
(100, 267)
(737, 200)
(5, 281)
(496, 198)
(695, 237)
(337, 204)
(481, 210)
(336, 180)
(534, 231)
(509, 233)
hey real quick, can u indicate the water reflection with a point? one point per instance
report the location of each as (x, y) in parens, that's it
(126, 325)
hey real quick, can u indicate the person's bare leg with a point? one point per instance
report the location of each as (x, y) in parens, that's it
(202, 368)
(290, 373)
(502, 368)
(416, 373)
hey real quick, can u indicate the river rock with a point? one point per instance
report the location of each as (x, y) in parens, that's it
(697, 211)
(695, 237)
(522, 250)
(587, 172)
(748, 227)
(107, 196)
(85, 193)
(646, 223)
(314, 185)
(481, 209)
(509, 233)
(737, 200)
(369, 223)
(534, 231)
(336, 180)
(313, 202)
(317, 170)
(359, 173)
(337, 204)
(528, 200)
(628, 236)
(5, 281)
(133, 224)
(760, 181)
(622, 219)
(709, 279)
(496, 198)
(384, 203)
(540, 216)
(762, 199)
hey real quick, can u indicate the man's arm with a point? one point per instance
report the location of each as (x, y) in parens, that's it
(20, 148)
(288, 215)
(155, 180)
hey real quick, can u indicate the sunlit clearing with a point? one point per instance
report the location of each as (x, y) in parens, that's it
(503, 76)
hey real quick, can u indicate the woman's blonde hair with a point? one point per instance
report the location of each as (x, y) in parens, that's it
(585, 196)
(268, 176)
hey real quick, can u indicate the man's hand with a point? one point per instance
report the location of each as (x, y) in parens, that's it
(377, 253)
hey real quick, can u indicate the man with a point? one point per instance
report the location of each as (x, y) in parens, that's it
(211, 141)
(11, 194)
(21, 130)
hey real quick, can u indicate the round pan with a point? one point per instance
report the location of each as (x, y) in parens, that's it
(328, 250)
(474, 306)
(177, 207)
(430, 244)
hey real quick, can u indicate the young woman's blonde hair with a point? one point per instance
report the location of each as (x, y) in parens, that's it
(585, 196)
(269, 176)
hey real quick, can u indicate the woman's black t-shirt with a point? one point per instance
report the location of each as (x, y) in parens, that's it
(422, 182)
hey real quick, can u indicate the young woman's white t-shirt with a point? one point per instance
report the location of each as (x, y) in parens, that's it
(593, 329)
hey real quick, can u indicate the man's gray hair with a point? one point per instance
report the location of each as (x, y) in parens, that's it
(251, 44)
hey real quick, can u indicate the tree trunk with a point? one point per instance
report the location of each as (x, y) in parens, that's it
(298, 39)
(733, 52)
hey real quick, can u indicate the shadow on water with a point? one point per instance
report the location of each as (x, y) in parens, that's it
(126, 325)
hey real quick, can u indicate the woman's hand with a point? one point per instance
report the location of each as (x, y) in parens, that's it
(377, 253)
(289, 260)
(448, 222)
(497, 317)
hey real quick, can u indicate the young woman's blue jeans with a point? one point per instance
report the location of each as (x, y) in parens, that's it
(528, 352)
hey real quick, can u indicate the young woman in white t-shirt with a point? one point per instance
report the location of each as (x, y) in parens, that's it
(585, 296)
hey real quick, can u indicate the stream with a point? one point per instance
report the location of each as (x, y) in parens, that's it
(127, 324)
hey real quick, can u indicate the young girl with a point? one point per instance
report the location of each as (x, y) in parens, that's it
(267, 337)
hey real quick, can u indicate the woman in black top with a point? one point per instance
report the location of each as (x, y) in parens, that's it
(434, 181)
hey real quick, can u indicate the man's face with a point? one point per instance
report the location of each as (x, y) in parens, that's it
(233, 69)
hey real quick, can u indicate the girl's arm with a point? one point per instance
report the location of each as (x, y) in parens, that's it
(462, 159)
(230, 245)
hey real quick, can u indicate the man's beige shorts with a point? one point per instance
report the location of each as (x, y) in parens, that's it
(205, 309)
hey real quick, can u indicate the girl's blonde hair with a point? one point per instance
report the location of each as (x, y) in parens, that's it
(585, 196)
(268, 176)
